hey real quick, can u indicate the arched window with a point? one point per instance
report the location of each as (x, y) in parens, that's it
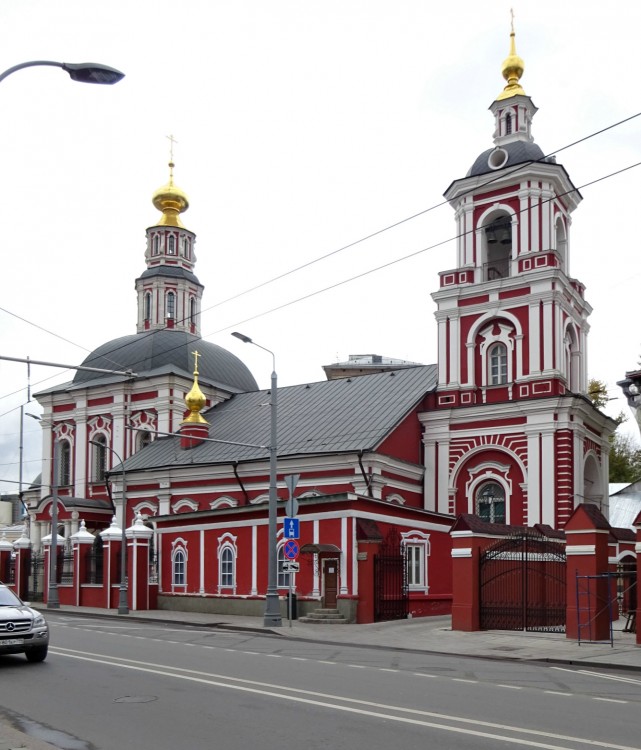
(192, 311)
(171, 305)
(155, 248)
(186, 247)
(283, 578)
(171, 245)
(227, 567)
(143, 439)
(490, 502)
(147, 311)
(64, 463)
(99, 445)
(178, 567)
(508, 124)
(497, 364)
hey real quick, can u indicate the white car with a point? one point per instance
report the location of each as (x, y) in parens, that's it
(23, 630)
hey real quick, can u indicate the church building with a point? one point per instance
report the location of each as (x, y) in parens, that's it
(380, 458)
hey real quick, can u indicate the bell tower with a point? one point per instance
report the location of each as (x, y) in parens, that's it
(169, 294)
(512, 322)
(510, 434)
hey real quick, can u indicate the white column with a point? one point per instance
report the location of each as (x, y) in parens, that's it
(533, 479)
(316, 584)
(254, 562)
(548, 477)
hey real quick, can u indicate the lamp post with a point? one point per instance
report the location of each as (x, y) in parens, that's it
(82, 72)
(53, 602)
(123, 606)
(272, 605)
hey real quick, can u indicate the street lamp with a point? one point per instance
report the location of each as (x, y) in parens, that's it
(82, 72)
(272, 604)
(53, 601)
(123, 607)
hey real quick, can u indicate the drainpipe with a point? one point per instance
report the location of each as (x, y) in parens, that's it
(367, 478)
(240, 482)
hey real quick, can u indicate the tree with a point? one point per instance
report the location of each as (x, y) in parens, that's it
(625, 455)
(625, 459)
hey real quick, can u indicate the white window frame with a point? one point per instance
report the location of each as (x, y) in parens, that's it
(227, 546)
(417, 551)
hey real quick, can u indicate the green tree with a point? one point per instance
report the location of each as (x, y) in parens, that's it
(625, 459)
(625, 454)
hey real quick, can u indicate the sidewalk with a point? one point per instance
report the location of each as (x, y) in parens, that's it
(426, 634)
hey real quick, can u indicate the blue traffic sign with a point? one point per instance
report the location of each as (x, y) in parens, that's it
(291, 549)
(291, 528)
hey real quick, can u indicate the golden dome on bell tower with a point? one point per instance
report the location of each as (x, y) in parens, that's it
(512, 70)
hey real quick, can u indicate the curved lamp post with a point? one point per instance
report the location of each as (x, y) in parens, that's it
(272, 605)
(82, 72)
(123, 606)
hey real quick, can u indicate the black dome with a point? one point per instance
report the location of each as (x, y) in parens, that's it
(518, 152)
(170, 350)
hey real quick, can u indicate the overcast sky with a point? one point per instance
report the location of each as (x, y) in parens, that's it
(301, 127)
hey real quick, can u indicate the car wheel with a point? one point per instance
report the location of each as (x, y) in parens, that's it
(36, 654)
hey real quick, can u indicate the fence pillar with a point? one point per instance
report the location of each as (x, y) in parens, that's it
(588, 599)
(22, 567)
(466, 554)
(80, 541)
(6, 553)
(138, 536)
(367, 551)
(112, 541)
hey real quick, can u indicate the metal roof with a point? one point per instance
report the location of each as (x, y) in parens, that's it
(334, 416)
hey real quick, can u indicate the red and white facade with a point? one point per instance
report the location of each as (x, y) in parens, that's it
(509, 432)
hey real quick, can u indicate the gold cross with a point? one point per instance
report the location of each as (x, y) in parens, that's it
(512, 14)
(171, 147)
(196, 355)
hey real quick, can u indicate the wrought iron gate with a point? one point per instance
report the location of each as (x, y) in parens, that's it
(522, 584)
(391, 599)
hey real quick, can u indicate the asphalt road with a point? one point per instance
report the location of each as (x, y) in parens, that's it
(110, 685)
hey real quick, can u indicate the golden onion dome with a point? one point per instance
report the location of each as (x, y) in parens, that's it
(512, 70)
(171, 201)
(195, 399)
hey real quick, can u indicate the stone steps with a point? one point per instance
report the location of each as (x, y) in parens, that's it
(324, 617)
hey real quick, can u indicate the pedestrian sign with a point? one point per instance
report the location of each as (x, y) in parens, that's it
(291, 549)
(291, 528)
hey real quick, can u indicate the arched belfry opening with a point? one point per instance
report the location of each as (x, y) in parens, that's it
(497, 247)
(562, 244)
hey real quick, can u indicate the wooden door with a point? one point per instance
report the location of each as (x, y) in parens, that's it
(330, 583)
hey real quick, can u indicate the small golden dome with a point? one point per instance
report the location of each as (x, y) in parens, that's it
(171, 201)
(195, 399)
(512, 70)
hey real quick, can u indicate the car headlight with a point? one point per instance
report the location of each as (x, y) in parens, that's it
(39, 621)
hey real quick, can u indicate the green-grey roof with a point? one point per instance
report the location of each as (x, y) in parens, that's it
(334, 416)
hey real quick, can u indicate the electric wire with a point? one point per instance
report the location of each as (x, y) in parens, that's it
(503, 174)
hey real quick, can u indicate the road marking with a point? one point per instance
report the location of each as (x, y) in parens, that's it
(617, 678)
(297, 695)
(608, 700)
(557, 692)
(460, 679)
(511, 687)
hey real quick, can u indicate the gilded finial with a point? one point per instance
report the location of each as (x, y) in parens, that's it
(195, 399)
(513, 67)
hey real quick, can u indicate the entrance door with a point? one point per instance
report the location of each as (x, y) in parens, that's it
(330, 583)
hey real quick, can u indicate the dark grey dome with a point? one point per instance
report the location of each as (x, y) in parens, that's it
(517, 152)
(170, 350)
(175, 273)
